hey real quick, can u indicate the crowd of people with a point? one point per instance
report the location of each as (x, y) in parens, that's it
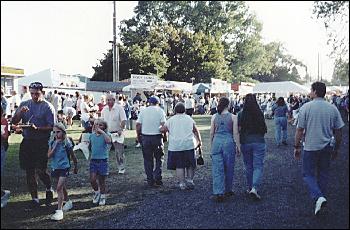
(237, 127)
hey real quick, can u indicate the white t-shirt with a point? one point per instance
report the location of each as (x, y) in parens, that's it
(15, 100)
(189, 103)
(150, 118)
(26, 97)
(181, 135)
(57, 102)
(68, 102)
(84, 115)
(113, 117)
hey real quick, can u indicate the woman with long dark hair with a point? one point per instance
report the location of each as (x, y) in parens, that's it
(280, 111)
(252, 128)
(223, 129)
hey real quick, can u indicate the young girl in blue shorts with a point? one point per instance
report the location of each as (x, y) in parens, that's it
(100, 140)
(60, 152)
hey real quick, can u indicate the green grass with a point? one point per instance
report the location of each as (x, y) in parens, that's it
(124, 191)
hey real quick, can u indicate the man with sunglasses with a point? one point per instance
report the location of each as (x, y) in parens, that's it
(37, 117)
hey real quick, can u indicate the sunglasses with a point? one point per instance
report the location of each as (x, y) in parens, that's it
(35, 85)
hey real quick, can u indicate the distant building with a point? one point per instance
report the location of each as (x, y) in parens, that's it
(51, 78)
(9, 78)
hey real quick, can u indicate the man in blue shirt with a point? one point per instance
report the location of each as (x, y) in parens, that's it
(321, 123)
(38, 117)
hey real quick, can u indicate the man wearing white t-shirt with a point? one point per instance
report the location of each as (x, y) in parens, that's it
(115, 117)
(148, 133)
(189, 105)
(26, 95)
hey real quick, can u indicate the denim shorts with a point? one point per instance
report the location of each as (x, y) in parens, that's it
(181, 159)
(99, 166)
(60, 173)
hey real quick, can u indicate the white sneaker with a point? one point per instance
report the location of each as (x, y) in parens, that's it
(96, 197)
(190, 184)
(182, 186)
(121, 171)
(254, 194)
(138, 145)
(67, 206)
(102, 199)
(320, 203)
(5, 198)
(58, 215)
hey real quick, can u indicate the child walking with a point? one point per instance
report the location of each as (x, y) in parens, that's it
(99, 141)
(60, 152)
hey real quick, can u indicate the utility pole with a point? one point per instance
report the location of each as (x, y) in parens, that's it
(318, 67)
(115, 49)
(321, 69)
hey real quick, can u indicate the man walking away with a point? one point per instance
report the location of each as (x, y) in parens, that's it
(322, 123)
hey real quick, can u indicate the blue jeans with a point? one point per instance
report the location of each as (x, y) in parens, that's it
(152, 148)
(3, 157)
(281, 124)
(223, 161)
(320, 161)
(253, 157)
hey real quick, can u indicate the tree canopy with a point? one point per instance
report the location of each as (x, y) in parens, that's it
(335, 15)
(180, 40)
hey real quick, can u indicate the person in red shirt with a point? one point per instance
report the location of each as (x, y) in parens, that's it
(4, 145)
(101, 105)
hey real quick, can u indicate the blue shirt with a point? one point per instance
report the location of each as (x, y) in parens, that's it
(99, 147)
(279, 111)
(319, 118)
(60, 158)
(41, 114)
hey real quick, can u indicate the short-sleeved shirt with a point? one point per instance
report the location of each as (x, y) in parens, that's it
(319, 118)
(60, 158)
(279, 111)
(113, 117)
(150, 118)
(99, 147)
(181, 136)
(40, 114)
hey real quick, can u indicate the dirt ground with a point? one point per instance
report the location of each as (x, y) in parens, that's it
(131, 204)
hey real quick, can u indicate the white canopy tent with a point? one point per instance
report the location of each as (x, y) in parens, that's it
(51, 78)
(281, 88)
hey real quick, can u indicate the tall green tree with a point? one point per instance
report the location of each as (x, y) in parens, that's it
(281, 66)
(341, 72)
(196, 39)
(229, 23)
(335, 16)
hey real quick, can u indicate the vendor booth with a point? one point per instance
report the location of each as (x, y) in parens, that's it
(281, 88)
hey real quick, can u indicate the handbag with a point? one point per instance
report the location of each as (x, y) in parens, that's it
(200, 160)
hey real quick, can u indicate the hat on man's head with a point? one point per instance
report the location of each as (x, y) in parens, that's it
(36, 85)
(154, 100)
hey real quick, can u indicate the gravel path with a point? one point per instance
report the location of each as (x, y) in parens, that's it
(285, 200)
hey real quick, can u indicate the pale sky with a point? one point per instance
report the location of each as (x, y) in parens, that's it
(72, 36)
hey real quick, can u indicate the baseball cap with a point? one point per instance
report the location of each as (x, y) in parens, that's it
(153, 100)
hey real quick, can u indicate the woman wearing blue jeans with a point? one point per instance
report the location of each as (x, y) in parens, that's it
(280, 111)
(223, 148)
(252, 129)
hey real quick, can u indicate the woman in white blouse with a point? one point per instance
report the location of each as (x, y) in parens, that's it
(183, 136)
